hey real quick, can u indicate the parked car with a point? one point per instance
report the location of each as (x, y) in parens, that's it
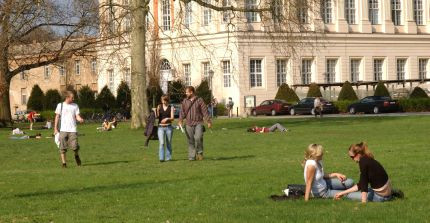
(374, 104)
(306, 106)
(271, 107)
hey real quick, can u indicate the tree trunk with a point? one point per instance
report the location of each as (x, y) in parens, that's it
(139, 102)
(5, 116)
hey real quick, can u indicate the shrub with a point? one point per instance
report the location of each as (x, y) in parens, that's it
(86, 98)
(52, 98)
(221, 110)
(415, 105)
(36, 99)
(342, 106)
(314, 91)
(347, 93)
(48, 115)
(204, 92)
(287, 94)
(86, 113)
(154, 94)
(418, 93)
(381, 90)
(123, 97)
(105, 100)
(176, 91)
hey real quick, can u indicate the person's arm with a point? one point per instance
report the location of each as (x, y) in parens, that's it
(310, 174)
(57, 117)
(339, 176)
(78, 116)
(172, 113)
(350, 190)
(181, 114)
(205, 112)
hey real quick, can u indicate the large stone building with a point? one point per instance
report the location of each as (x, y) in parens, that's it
(360, 41)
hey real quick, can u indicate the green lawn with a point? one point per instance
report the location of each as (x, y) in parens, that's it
(121, 181)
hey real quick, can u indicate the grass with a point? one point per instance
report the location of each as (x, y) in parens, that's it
(121, 181)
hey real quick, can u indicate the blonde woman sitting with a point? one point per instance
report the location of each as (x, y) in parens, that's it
(319, 184)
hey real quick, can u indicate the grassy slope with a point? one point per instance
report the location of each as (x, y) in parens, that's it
(121, 181)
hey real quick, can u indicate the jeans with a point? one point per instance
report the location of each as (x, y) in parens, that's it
(195, 140)
(334, 186)
(371, 196)
(277, 126)
(165, 137)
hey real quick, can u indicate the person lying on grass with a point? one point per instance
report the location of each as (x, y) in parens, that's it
(371, 172)
(273, 128)
(319, 184)
(37, 136)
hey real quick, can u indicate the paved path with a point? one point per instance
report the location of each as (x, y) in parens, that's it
(400, 114)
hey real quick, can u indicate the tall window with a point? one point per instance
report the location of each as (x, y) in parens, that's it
(355, 70)
(188, 14)
(302, 11)
(256, 72)
(207, 14)
(206, 68)
(306, 71)
(111, 80)
(111, 19)
(127, 76)
(326, 11)
(23, 96)
(61, 70)
(165, 11)
(396, 12)
(226, 15)
(401, 69)
(330, 70)
(227, 73)
(187, 74)
(47, 72)
(251, 16)
(281, 72)
(422, 68)
(24, 75)
(77, 67)
(418, 12)
(377, 69)
(374, 11)
(278, 11)
(350, 11)
(94, 66)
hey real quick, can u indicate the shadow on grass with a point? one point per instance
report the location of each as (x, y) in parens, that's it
(230, 158)
(109, 163)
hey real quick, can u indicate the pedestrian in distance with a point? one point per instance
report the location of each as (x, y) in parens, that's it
(230, 105)
(318, 107)
(32, 118)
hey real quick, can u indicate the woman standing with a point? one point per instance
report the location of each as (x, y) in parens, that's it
(165, 114)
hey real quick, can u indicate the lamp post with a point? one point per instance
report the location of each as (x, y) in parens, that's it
(211, 74)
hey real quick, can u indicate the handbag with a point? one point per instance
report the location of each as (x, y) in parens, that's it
(295, 190)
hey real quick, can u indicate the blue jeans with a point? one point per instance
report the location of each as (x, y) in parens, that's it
(334, 186)
(165, 137)
(371, 196)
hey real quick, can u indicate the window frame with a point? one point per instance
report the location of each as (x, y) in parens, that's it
(396, 12)
(256, 72)
(306, 71)
(350, 12)
(226, 73)
(327, 11)
(374, 12)
(422, 74)
(187, 73)
(330, 71)
(166, 15)
(281, 71)
(378, 75)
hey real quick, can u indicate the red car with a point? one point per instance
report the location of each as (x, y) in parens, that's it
(272, 107)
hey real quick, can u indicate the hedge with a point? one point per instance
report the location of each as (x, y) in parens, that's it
(314, 90)
(342, 106)
(221, 110)
(36, 99)
(415, 105)
(47, 115)
(287, 94)
(381, 90)
(347, 93)
(418, 93)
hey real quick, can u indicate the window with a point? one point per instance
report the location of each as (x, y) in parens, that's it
(306, 71)
(256, 73)
(207, 14)
(127, 22)
(188, 14)
(226, 71)
(418, 12)
(251, 16)
(127, 76)
(187, 74)
(111, 80)
(355, 70)
(23, 96)
(422, 68)
(111, 19)
(377, 69)
(302, 11)
(165, 11)
(396, 12)
(401, 69)
(327, 11)
(94, 66)
(350, 11)
(281, 72)
(24, 75)
(47, 72)
(226, 15)
(330, 70)
(77, 67)
(206, 67)
(374, 11)
(61, 70)
(278, 11)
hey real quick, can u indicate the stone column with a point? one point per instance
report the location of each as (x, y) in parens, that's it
(410, 25)
(341, 24)
(364, 23)
(387, 23)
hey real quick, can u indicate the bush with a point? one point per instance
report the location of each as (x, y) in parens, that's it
(347, 93)
(418, 93)
(287, 94)
(176, 91)
(105, 100)
(86, 98)
(123, 97)
(36, 99)
(342, 106)
(52, 98)
(48, 115)
(314, 91)
(415, 105)
(154, 94)
(204, 92)
(86, 113)
(221, 110)
(381, 90)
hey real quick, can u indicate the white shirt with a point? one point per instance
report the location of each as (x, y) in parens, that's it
(319, 184)
(67, 116)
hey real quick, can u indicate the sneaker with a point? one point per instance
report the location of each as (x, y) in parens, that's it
(78, 160)
(161, 161)
(64, 165)
(398, 194)
(199, 157)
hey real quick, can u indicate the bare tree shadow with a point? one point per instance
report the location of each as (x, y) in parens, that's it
(109, 163)
(230, 158)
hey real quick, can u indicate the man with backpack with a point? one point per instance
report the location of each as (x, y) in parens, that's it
(194, 110)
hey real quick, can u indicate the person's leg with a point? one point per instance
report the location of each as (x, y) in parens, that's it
(74, 145)
(169, 133)
(198, 138)
(189, 132)
(336, 184)
(277, 126)
(374, 197)
(31, 124)
(161, 141)
(63, 147)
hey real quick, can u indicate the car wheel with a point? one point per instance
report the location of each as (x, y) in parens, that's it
(375, 110)
(313, 111)
(292, 112)
(254, 113)
(352, 110)
(273, 112)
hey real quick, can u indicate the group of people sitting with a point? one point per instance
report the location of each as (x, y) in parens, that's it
(336, 185)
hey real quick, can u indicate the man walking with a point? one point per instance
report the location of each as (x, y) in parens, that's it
(229, 106)
(318, 107)
(67, 113)
(194, 110)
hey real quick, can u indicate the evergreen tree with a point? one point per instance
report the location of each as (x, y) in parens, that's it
(52, 98)
(154, 94)
(347, 93)
(123, 97)
(381, 90)
(86, 97)
(418, 93)
(204, 92)
(36, 99)
(314, 91)
(287, 94)
(105, 100)
(176, 91)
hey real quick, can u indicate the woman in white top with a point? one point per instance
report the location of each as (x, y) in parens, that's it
(319, 184)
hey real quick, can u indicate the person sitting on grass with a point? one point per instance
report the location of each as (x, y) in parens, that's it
(273, 128)
(318, 183)
(371, 172)
(37, 136)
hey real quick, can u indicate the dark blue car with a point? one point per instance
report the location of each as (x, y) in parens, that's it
(374, 104)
